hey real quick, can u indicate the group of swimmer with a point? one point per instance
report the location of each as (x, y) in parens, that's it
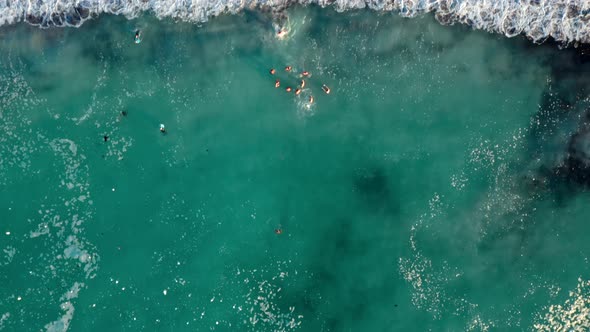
(303, 76)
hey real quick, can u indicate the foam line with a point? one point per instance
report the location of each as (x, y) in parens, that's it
(565, 21)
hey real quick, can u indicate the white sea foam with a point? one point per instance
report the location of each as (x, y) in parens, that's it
(62, 323)
(4, 318)
(564, 20)
(572, 315)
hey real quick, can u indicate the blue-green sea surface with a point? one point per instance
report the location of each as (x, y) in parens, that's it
(425, 193)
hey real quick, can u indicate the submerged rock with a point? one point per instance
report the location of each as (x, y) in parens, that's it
(576, 166)
(73, 18)
(56, 19)
(83, 12)
(33, 19)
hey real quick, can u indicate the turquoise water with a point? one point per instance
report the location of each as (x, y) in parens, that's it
(427, 191)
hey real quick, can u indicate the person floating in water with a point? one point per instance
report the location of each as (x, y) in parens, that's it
(297, 92)
(272, 71)
(310, 100)
(277, 83)
(162, 128)
(305, 74)
(282, 33)
(278, 231)
(326, 89)
(137, 36)
(288, 89)
(288, 68)
(302, 84)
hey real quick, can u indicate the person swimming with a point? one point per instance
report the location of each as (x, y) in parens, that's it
(137, 36)
(302, 84)
(288, 89)
(277, 83)
(305, 74)
(278, 231)
(326, 89)
(282, 33)
(106, 138)
(272, 71)
(297, 92)
(310, 100)
(162, 128)
(288, 68)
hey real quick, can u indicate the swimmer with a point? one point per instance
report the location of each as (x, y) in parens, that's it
(310, 100)
(162, 128)
(272, 71)
(278, 231)
(305, 73)
(326, 89)
(124, 113)
(137, 36)
(277, 83)
(288, 68)
(297, 92)
(282, 33)
(288, 89)
(302, 84)
(106, 138)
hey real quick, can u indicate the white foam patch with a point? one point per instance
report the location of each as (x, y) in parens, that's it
(572, 315)
(564, 20)
(478, 324)
(459, 181)
(502, 207)
(42, 229)
(9, 253)
(118, 147)
(59, 237)
(16, 147)
(63, 323)
(71, 145)
(64, 148)
(75, 250)
(426, 281)
(261, 307)
(3, 319)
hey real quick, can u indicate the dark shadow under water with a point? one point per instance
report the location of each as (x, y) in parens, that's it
(563, 123)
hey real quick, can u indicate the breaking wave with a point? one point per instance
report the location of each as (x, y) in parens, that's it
(565, 21)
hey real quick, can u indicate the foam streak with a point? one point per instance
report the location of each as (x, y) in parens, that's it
(564, 20)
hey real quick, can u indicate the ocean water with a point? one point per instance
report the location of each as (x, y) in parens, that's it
(440, 186)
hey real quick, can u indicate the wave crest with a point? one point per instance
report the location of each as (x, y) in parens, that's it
(563, 20)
